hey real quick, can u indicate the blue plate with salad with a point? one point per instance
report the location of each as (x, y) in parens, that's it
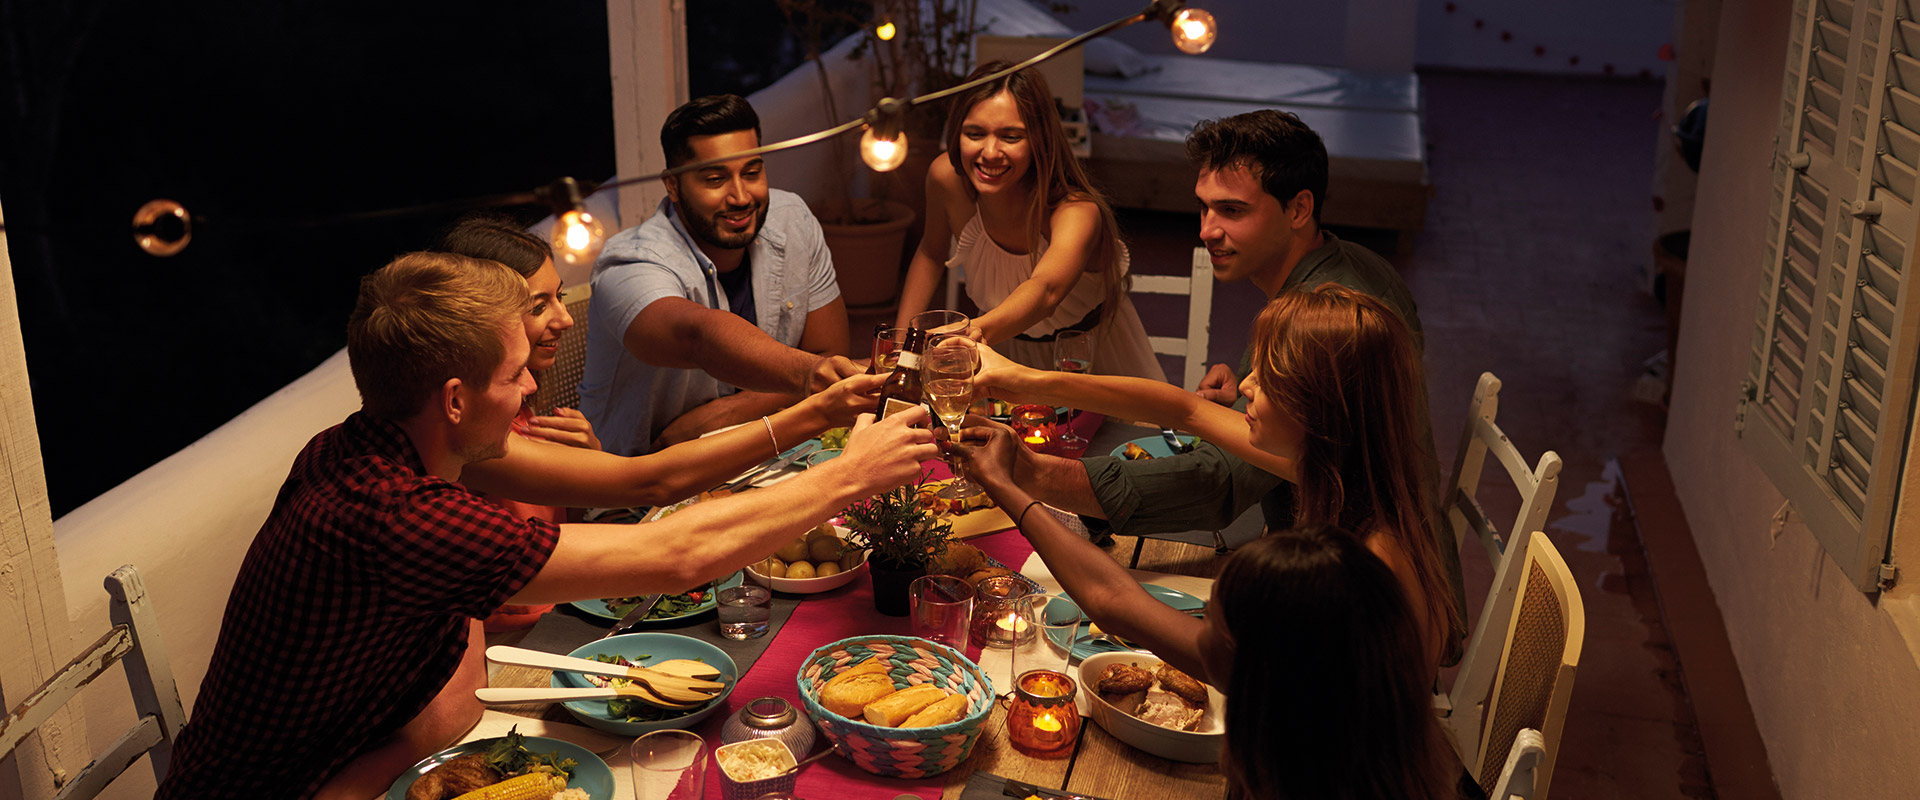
(628, 717)
(671, 608)
(510, 756)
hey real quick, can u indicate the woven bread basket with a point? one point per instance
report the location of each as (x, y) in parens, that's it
(899, 752)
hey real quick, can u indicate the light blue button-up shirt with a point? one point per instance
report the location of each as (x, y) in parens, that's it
(628, 400)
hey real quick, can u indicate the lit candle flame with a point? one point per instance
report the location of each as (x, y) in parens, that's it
(1046, 721)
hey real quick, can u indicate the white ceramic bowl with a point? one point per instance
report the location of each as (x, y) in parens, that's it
(810, 585)
(1197, 747)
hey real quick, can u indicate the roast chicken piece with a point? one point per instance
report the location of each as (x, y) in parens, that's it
(454, 778)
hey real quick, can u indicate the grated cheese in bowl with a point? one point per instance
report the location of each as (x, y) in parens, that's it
(754, 759)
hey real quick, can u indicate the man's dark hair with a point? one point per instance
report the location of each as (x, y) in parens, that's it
(704, 116)
(1283, 154)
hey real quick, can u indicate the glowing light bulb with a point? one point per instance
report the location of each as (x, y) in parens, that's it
(577, 237)
(886, 31)
(162, 228)
(882, 154)
(1194, 30)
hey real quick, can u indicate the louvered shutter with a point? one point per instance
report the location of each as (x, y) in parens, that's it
(1830, 381)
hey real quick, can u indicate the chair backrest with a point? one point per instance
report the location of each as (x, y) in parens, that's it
(560, 384)
(1535, 678)
(1464, 704)
(134, 641)
(1198, 287)
(1518, 779)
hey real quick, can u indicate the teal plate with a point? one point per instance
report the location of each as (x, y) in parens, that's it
(1174, 598)
(599, 608)
(1154, 445)
(589, 772)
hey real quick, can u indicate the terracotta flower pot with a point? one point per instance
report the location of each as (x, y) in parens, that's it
(866, 256)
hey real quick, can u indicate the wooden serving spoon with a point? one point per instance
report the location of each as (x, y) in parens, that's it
(498, 696)
(668, 684)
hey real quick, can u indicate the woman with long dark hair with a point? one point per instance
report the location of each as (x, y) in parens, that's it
(1012, 206)
(1310, 635)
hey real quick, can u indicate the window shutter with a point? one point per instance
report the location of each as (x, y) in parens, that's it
(1830, 379)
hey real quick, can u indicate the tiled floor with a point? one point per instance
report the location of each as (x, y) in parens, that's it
(1531, 267)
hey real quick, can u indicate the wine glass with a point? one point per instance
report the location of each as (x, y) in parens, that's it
(669, 765)
(941, 321)
(947, 382)
(1072, 352)
(886, 349)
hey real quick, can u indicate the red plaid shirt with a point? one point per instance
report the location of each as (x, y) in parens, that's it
(350, 613)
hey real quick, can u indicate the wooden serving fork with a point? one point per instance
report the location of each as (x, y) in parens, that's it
(672, 681)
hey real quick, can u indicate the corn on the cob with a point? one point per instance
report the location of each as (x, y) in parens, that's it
(531, 786)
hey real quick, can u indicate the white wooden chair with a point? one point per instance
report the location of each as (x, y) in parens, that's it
(133, 642)
(1198, 287)
(1518, 778)
(1464, 704)
(560, 384)
(1541, 637)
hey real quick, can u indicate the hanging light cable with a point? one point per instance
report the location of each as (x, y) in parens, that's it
(577, 235)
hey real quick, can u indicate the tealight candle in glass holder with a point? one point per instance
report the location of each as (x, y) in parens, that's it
(996, 612)
(1033, 424)
(1043, 721)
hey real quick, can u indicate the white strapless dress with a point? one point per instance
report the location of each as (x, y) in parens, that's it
(1120, 345)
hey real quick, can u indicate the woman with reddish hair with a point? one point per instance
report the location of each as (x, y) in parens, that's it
(1334, 398)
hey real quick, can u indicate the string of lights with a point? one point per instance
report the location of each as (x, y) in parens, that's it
(164, 227)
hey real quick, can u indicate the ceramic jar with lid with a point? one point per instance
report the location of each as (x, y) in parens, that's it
(770, 718)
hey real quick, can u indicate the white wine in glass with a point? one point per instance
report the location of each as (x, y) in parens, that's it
(950, 399)
(947, 385)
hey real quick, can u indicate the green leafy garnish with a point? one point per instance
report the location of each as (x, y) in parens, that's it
(510, 757)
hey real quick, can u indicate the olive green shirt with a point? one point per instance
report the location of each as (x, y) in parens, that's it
(1209, 488)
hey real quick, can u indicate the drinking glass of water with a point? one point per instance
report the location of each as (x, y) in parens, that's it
(745, 611)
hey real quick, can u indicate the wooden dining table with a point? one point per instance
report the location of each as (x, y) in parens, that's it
(1099, 765)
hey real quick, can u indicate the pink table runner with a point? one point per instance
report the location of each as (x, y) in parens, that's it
(829, 617)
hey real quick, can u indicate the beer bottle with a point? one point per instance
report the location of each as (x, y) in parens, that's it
(904, 384)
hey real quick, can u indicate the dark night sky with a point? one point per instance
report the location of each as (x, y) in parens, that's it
(253, 114)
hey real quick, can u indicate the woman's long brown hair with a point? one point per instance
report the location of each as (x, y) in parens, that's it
(1057, 175)
(1320, 702)
(1343, 365)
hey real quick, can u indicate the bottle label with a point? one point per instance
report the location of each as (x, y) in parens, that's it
(895, 405)
(909, 359)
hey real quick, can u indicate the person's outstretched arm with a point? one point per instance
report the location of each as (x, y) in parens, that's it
(707, 540)
(929, 266)
(1128, 398)
(549, 474)
(1106, 591)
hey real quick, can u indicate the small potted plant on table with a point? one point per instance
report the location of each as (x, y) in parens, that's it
(904, 536)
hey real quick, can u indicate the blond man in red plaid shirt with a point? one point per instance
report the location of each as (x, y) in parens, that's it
(349, 649)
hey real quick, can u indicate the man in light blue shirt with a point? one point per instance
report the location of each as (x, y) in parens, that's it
(721, 307)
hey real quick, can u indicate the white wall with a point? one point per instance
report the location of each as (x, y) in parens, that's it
(1834, 689)
(1624, 33)
(186, 523)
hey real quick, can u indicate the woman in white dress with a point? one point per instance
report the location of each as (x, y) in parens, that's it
(1012, 206)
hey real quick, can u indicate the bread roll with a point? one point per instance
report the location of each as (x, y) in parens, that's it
(851, 696)
(893, 709)
(949, 709)
(868, 666)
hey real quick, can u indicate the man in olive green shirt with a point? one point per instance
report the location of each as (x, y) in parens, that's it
(1263, 179)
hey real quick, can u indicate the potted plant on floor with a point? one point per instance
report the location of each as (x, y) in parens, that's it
(867, 236)
(904, 536)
